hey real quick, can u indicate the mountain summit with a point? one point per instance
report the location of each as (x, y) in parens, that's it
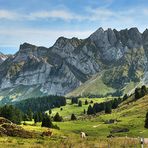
(110, 60)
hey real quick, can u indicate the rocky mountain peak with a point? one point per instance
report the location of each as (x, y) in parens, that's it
(26, 46)
(97, 34)
(118, 57)
(135, 35)
(145, 36)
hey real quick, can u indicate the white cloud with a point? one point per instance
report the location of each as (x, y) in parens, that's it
(47, 38)
(53, 14)
(101, 16)
(10, 15)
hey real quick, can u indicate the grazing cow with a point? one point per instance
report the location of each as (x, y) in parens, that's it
(83, 135)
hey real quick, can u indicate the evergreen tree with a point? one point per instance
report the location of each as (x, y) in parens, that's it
(125, 97)
(46, 122)
(74, 101)
(115, 103)
(40, 116)
(25, 117)
(30, 114)
(12, 113)
(122, 99)
(146, 121)
(80, 103)
(36, 118)
(84, 111)
(57, 118)
(143, 91)
(108, 108)
(137, 94)
(91, 101)
(90, 110)
(50, 112)
(73, 117)
(86, 102)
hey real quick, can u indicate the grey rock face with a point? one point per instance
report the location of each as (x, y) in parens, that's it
(70, 62)
(2, 57)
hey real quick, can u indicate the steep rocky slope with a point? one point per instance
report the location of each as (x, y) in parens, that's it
(119, 58)
(3, 57)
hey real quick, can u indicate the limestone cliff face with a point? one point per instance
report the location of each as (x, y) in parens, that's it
(58, 70)
(3, 57)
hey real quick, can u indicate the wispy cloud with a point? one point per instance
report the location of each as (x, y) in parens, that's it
(53, 14)
(101, 15)
(38, 37)
(9, 15)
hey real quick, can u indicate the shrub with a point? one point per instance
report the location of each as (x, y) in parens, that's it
(73, 117)
(57, 118)
(80, 103)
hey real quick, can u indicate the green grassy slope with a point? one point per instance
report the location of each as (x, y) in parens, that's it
(130, 114)
(94, 86)
(21, 92)
(73, 108)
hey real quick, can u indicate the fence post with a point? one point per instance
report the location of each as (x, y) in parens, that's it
(142, 142)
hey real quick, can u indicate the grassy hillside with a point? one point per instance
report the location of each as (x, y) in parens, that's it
(96, 87)
(130, 114)
(73, 108)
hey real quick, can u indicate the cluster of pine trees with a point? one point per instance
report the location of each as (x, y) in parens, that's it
(12, 113)
(41, 103)
(74, 100)
(140, 92)
(105, 106)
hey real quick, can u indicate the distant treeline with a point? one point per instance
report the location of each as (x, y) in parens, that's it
(89, 95)
(113, 104)
(41, 103)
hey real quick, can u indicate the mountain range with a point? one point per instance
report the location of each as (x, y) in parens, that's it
(108, 62)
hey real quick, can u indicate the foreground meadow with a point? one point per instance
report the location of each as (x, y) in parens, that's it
(130, 115)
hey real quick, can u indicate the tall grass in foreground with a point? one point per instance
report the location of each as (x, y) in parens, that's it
(69, 142)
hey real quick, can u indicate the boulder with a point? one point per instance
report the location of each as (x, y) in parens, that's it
(7, 128)
(119, 130)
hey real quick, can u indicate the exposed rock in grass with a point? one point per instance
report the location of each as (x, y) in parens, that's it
(47, 133)
(110, 136)
(119, 130)
(7, 128)
(110, 121)
(4, 120)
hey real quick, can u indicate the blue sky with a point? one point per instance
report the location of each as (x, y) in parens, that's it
(41, 22)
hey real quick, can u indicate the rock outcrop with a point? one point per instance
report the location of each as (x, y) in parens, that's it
(3, 57)
(7, 128)
(120, 55)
